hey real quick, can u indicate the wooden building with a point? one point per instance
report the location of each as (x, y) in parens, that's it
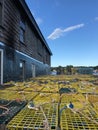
(24, 53)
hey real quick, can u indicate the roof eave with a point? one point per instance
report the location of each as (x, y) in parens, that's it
(29, 14)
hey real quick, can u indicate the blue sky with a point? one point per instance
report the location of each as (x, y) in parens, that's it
(70, 28)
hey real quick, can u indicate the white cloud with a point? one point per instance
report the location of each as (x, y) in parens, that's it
(56, 34)
(39, 21)
(59, 32)
(73, 27)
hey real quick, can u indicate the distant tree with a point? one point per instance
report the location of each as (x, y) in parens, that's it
(95, 68)
(59, 69)
(69, 69)
(64, 70)
(74, 70)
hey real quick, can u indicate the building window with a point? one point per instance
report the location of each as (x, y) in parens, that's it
(39, 48)
(22, 31)
(0, 13)
(46, 58)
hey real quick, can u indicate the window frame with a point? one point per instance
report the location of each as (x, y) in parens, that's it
(22, 31)
(39, 47)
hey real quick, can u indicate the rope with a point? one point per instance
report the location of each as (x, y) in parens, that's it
(80, 112)
(45, 122)
(6, 112)
(89, 118)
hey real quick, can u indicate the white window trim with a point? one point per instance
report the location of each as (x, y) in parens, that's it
(1, 66)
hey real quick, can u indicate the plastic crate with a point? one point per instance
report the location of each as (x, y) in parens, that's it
(93, 98)
(47, 98)
(72, 97)
(79, 120)
(33, 120)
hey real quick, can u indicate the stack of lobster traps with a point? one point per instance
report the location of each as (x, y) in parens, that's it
(43, 103)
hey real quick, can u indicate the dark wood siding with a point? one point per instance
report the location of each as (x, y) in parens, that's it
(10, 24)
(12, 12)
(0, 13)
